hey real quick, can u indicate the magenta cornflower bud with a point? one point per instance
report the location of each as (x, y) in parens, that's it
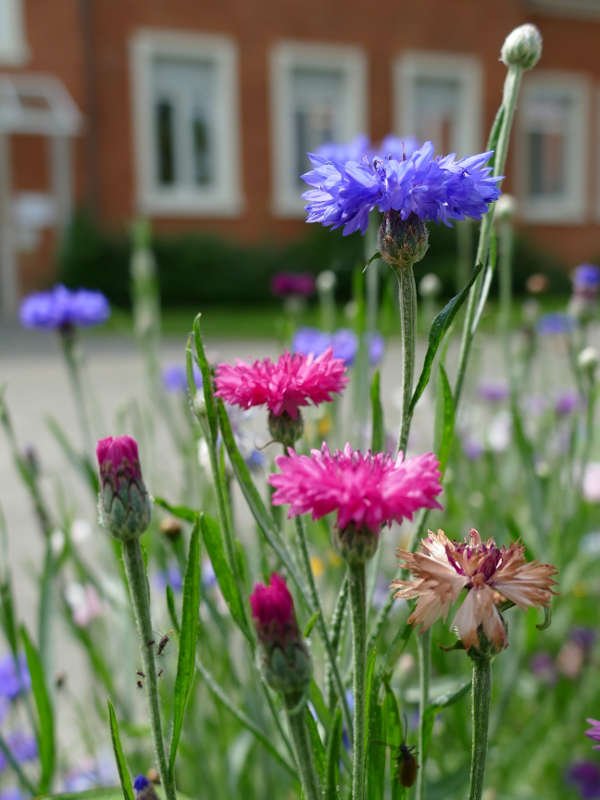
(285, 662)
(123, 504)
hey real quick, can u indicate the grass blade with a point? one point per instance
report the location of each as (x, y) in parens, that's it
(122, 768)
(188, 637)
(378, 428)
(45, 714)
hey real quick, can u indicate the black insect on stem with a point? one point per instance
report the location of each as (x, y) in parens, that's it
(405, 760)
(162, 644)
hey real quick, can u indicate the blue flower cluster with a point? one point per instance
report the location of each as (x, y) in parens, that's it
(62, 308)
(586, 277)
(344, 344)
(175, 378)
(349, 181)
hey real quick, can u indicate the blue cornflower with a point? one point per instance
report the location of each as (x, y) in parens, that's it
(175, 378)
(22, 746)
(62, 308)
(14, 678)
(343, 342)
(144, 789)
(413, 183)
(171, 576)
(586, 277)
(585, 775)
(555, 323)
(12, 794)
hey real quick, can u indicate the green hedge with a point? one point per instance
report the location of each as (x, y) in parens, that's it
(200, 268)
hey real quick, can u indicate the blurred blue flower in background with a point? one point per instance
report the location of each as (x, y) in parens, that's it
(343, 342)
(62, 308)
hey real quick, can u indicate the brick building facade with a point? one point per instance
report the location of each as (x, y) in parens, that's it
(198, 115)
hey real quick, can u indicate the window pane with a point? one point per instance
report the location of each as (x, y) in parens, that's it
(165, 166)
(437, 104)
(192, 136)
(317, 97)
(547, 128)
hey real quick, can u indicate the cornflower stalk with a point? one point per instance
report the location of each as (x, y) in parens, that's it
(68, 338)
(316, 603)
(481, 689)
(356, 583)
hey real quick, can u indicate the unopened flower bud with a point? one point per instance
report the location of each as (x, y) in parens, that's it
(506, 208)
(430, 285)
(171, 527)
(144, 789)
(285, 429)
(402, 242)
(285, 659)
(356, 544)
(123, 504)
(522, 47)
(588, 359)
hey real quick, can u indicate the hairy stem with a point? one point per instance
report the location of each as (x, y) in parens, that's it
(424, 651)
(140, 599)
(482, 688)
(356, 583)
(407, 292)
(306, 768)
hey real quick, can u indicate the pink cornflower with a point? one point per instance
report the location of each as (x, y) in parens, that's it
(294, 380)
(491, 575)
(365, 489)
(273, 610)
(594, 732)
(124, 506)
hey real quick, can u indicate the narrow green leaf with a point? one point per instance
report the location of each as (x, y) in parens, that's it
(45, 605)
(186, 661)
(181, 512)
(45, 713)
(438, 329)
(207, 379)
(318, 749)
(332, 769)
(254, 500)
(7, 608)
(444, 419)
(310, 625)
(376, 759)
(213, 541)
(123, 769)
(495, 133)
(378, 427)
(170, 594)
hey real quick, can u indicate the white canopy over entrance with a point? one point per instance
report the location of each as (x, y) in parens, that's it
(38, 105)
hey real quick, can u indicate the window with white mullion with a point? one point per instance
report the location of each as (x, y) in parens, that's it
(552, 148)
(186, 123)
(318, 96)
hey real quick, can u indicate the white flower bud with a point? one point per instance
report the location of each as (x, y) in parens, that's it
(522, 47)
(506, 208)
(430, 285)
(588, 359)
(326, 281)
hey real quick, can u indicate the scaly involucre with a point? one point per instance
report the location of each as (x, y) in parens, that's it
(409, 181)
(491, 575)
(284, 386)
(365, 489)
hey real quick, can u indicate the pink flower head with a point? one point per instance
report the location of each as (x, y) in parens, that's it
(492, 575)
(118, 457)
(594, 732)
(273, 610)
(299, 284)
(366, 490)
(294, 380)
(124, 505)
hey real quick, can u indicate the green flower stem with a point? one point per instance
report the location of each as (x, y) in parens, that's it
(316, 603)
(308, 777)
(407, 293)
(477, 295)
(140, 599)
(73, 361)
(505, 286)
(335, 635)
(356, 583)
(424, 652)
(482, 689)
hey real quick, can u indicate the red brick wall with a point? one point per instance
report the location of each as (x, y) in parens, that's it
(55, 35)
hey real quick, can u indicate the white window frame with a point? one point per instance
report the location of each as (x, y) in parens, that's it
(16, 53)
(572, 208)
(224, 198)
(415, 64)
(286, 56)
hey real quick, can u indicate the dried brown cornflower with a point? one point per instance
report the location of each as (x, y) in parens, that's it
(491, 575)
